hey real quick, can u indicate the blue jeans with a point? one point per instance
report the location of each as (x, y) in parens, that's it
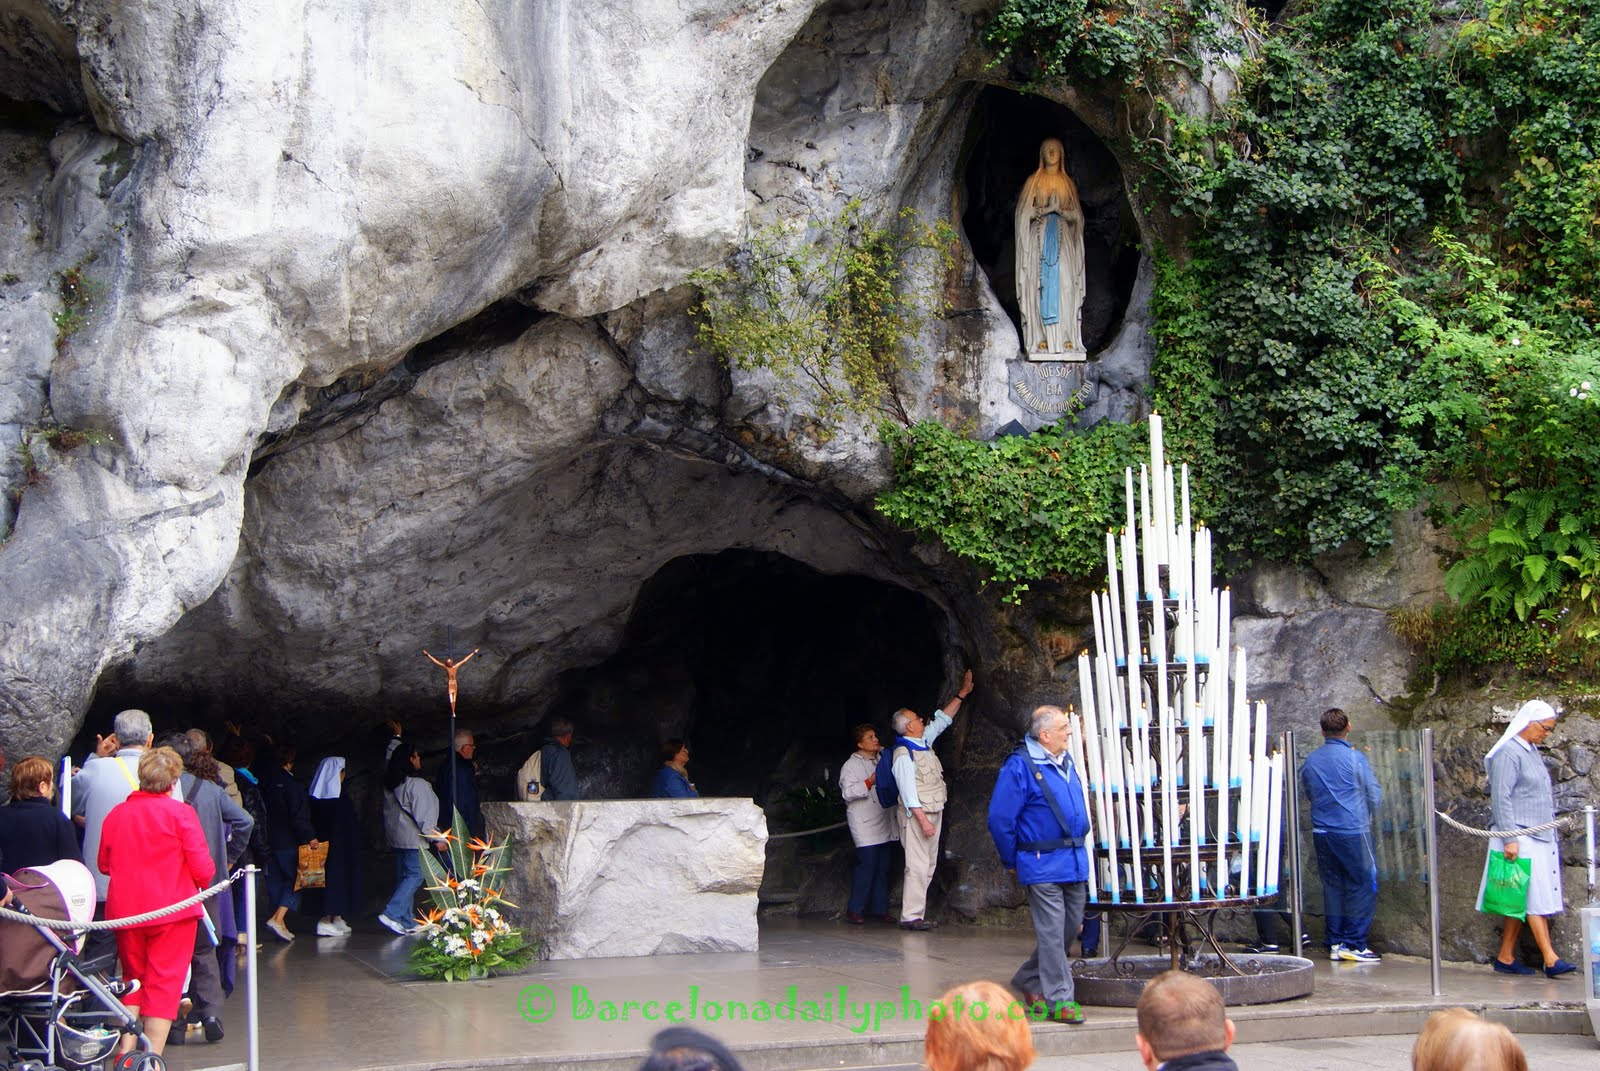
(869, 885)
(1349, 885)
(408, 875)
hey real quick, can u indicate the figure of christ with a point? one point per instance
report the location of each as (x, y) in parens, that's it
(1049, 240)
(450, 665)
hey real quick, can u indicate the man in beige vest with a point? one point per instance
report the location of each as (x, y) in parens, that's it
(919, 777)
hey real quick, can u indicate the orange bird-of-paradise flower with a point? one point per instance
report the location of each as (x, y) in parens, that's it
(480, 845)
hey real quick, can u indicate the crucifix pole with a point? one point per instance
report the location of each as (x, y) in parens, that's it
(451, 665)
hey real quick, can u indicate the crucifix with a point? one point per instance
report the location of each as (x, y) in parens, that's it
(451, 665)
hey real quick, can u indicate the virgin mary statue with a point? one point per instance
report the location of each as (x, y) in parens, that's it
(1049, 225)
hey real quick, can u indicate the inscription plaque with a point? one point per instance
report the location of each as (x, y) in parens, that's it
(1052, 388)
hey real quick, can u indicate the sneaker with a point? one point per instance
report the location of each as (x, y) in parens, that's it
(1365, 955)
(398, 927)
(280, 929)
(329, 929)
(1336, 953)
(344, 927)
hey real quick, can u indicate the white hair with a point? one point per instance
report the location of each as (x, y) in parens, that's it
(132, 727)
(464, 736)
(1045, 718)
(902, 718)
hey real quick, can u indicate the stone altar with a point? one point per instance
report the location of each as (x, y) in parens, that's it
(596, 878)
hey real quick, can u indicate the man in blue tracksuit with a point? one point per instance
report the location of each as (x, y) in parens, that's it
(1040, 840)
(1343, 792)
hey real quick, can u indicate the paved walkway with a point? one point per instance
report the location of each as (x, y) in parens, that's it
(348, 1003)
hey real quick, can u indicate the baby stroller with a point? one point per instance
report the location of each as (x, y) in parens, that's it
(56, 1012)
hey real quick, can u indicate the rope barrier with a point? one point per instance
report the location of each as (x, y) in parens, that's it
(6, 914)
(805, 832)
(1505, 834)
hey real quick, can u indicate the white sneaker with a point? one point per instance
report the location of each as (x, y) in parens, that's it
(398, 927)
(329, 929)
(1365, 955)
(1336, 953)
(280, 929)
(343, 926)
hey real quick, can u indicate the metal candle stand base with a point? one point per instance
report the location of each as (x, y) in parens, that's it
(1189, 929)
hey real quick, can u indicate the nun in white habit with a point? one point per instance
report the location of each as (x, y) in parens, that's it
(1520, 796)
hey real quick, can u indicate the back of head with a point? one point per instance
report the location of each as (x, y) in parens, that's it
(670, 748)
(976, 1030)
(1457, 1040)
(179, 742)
(680, 1048)
(399, 768)
(132, 728)
(1180, 1014)
(159, 767)
(27, 775)
(200, 739)
(1334, 721)
(561, 727)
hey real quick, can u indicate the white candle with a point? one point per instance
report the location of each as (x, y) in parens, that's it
(1196, 789)
(1161, 520)
(1076, 750)
(1102, 641)
(1169, 503)
(1241, 725)
(1262, 768)
(1113, 610)
(1130, 613)
(1134, 834)
(1274, 820)
(1246, 812)
(1127, 488)
(1186, 522)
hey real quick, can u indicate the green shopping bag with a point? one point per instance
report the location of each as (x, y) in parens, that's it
(1505, 888)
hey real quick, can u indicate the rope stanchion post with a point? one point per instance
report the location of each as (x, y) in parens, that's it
(1431, 845)
(251, 993)
(1588, 819)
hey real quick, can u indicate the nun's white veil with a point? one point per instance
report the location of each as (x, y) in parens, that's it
(1533, 710)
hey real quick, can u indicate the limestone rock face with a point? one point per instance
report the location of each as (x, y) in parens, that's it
(635, 877)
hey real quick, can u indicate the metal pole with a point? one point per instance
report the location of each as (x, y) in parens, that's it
(1432, 830)
(1588, 818)
(251, 991)
(1291, 796)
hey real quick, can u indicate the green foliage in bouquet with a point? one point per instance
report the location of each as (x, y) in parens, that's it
(466, 934)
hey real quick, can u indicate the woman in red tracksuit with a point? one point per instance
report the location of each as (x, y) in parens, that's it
(154, 851)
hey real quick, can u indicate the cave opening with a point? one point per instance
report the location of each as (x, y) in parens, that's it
(1004, 133)
(763, 664)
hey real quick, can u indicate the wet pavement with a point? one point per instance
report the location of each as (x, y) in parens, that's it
(831, 996)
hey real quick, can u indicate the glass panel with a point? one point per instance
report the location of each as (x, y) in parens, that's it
(1394, 847)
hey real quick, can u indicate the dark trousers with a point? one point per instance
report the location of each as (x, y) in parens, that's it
(869, 884)
(281, 868)
(205, 978)
(1349, 885)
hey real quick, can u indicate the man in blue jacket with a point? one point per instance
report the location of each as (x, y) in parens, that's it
(1338, 782)
(1040, 840)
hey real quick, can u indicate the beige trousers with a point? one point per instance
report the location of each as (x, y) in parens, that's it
(922, 855)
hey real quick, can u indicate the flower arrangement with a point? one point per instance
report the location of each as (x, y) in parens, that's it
(466, 934)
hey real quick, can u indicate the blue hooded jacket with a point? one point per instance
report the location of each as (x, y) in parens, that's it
(1019, 814)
